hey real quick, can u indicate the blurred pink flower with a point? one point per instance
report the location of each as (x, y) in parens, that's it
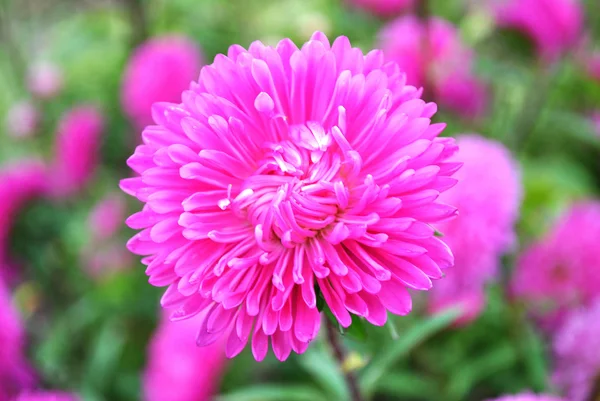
(101, 260)
(384, 7)
(158, 71)
(20, 181)
(555, 26)
(46, 396)
(14, 371)
(593, 66)
(596, 121)
(286, 170)
(107, 217)
(179, 370)
(576, 346)
(44, 79)
(528, 397)
(22, 120)
(488, 196)
(432, 53)
(562, 270)
(77, 149)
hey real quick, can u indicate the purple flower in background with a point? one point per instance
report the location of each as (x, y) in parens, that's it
(576, 345)
(158, 71)
(384, 7)
(528, 397)
(562, 270)
(20, 181)
(22, 120)
(284, 170)
(46, 396)
(596, 121)
(555, 26)
(433, 55)
(177, 369)
(44, 79)
(77, 149)
(107, 217)
(14, 371)
(488, 196)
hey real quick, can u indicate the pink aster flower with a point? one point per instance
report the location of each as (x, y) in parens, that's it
(47, 396)
(22, 120)
(562, 270)
(45, 79)
(107, 216)
(553, 25)
(177, 369)
(20, 182)
(14, 372)
(432, 53)
(577, 362)
(287, 170)
(158, 70)
(488, 196)
(528, 397)
(77, 150)
(383, 7)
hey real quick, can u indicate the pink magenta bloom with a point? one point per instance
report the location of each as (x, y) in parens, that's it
(383, 7)
(488, 196)
(528, 397)
(158, 70)
(77, 150)
(45, 79)
(287, 169)
(553, 25)
(577, 362)
(177, 369)
(22, 120)
(563, 269)
(46, 396)
(14, 372)
(20, 182)
(432, 53)
(107, 216)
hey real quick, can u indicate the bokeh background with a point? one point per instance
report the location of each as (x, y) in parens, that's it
(77, 79)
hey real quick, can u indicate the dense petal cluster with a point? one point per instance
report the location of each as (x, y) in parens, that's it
(488, 196)
(77, 150)
(576, 345)
(562, 270)
(22, 120)
(528, 397)
(286, 175)
(14, 372)
(47, 396)
(432, 53)
(19, 183)
(158, 71)
(384, 7)
(553, 25)
(177, 369)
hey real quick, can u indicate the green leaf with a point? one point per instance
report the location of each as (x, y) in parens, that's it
(268, 392)
(317, 361)
(357, 329)
(382, 362)
(403, 385)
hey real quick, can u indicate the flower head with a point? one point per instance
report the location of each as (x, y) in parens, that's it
(553, 25)
(286, 175)
(384, 7)
(528, 397)
(77, 150)
(562, 270)
(46, 396)
(14, 372)
(577, 362)
(158, 71)
(177, 370)
(432, 53)
(488, 196)
(22, 120)
(45, 79)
